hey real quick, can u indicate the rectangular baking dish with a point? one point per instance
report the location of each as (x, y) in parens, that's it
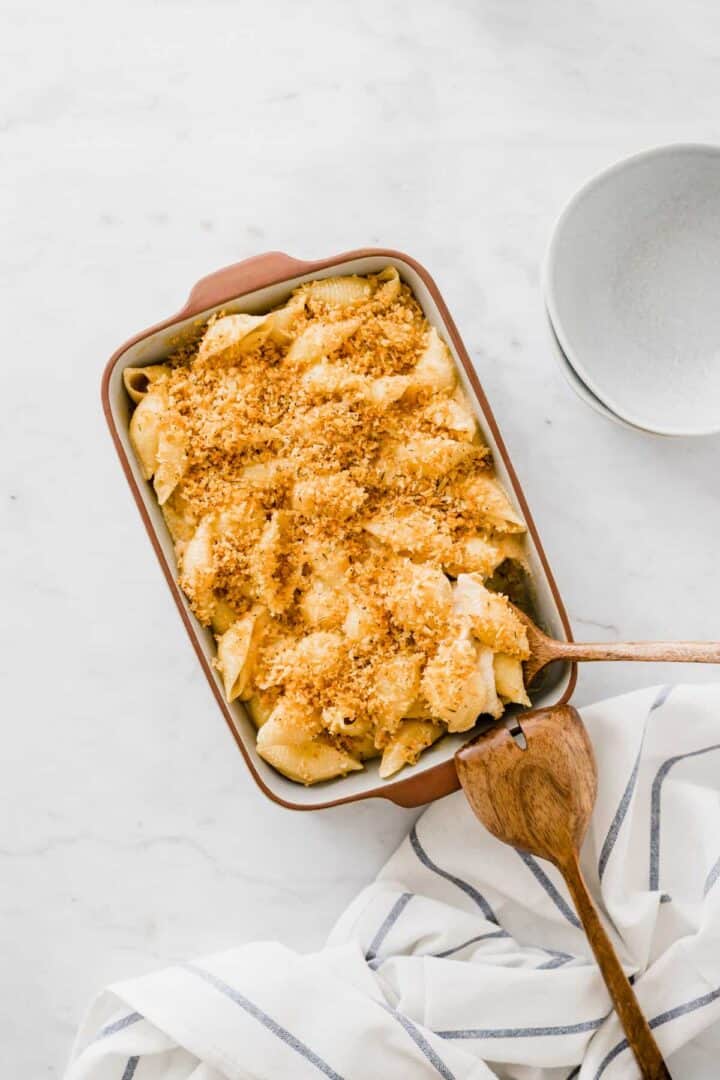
(254, 286)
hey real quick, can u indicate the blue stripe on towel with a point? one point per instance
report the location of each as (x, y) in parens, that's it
(470, 941)
(387, 925)
(554, 962)
(466, 887)
(712, 877)
(421, 1042)
(624, 803)
(658, 1021)
(118, 1025)
(130, 1068)
(262, 1017)
(655, 806)
(522, 1033)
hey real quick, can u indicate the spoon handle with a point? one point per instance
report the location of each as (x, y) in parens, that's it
(637, 1030)
(696, 652)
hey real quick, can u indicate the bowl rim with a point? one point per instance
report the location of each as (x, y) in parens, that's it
(232, 283)
(550, 298)
(578, 387)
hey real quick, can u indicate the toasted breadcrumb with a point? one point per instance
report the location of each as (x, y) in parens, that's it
(337, 491)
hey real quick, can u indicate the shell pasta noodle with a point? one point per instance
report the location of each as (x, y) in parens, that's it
(337, 523)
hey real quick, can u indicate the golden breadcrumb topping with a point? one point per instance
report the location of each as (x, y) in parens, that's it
(324, 480)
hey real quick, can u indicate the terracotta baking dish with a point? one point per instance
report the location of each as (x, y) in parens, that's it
(256, 285)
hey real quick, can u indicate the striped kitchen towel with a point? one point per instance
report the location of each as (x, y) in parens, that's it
(465, 959)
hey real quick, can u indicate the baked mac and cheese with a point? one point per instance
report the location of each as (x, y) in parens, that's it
(336, 519)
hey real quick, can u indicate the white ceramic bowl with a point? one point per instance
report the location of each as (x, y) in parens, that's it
(577, 385)
(632, 286)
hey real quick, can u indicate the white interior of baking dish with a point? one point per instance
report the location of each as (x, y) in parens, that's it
(155, 349)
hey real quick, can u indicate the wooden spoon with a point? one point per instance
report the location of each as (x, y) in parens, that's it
(539, 799)
(544, 649)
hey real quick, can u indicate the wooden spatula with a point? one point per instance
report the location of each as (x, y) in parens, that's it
(539, 799)
(544, 649)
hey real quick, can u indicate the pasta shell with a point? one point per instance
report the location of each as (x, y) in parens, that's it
(310, 762)
(406, 745)
(236, 652)
(360, 623)
(509, 680)
(412, 532)
(419, 710)
(288, 726)
(276, 578)
(453, 414)
(260, 707)
(512, 546)
(459, 684)
(232, 334)
(363, 747)
(396, 687)
(427, 456)
(138, 381)
(145, 427)
(197, 576)
(435, 370)
(389, 287)
(323, 606)
(473, 554)
(280, 322)
(180, 517)
(223, 617)
(386, 390)
(419, 595)
(321, 339)
(334, 495)
(326, 378)
(338, 291)
(171, 458)
(492, 619)
(490, 504)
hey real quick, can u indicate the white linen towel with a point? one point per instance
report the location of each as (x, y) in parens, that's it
(464, 959)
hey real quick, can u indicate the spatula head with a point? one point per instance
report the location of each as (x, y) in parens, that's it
(537, 799)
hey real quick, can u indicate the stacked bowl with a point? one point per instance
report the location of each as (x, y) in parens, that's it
(632, 291)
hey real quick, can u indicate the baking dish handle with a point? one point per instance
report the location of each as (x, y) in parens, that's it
(242, 277)
(424, 788)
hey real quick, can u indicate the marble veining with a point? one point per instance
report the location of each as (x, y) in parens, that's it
(145, 149)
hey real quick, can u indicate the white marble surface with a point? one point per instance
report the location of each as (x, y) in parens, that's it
(147, 144)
